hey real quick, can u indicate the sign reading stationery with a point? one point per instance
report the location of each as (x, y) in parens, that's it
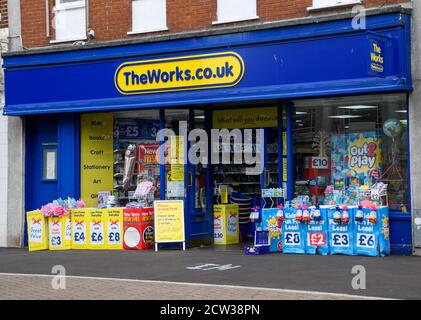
(169, 222)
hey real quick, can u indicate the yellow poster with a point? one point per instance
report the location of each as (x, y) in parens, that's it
(60, 233)
(177, 159)
(226, 224)
(80, 228)
(364, 154)
(97, 158)
(284, 169)
(245, 118)
(37, 231)
(114, 228)
(169, 221)
(223, 190)
(96, 235)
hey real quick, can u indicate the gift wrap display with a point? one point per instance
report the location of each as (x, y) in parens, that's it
(327, 229)
(226, 224)
(37, 231)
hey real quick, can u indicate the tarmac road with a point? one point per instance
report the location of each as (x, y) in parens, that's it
(389, 277)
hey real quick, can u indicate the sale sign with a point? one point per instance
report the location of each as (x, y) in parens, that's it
(293, 233)
(96, 229)
(341, 234)
(37, 231)
(59, 229)
(79, 229)
(317, 234)
(114, 228)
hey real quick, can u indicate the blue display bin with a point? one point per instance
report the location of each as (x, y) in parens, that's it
(400, 233)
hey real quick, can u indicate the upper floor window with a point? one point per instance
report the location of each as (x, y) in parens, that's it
(149, 16)
(236, 10)
(321, 4)
(70, 20)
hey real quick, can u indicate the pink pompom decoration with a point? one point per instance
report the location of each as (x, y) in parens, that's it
(47, 210)
(80, 204)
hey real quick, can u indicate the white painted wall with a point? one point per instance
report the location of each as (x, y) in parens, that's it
(3, 150)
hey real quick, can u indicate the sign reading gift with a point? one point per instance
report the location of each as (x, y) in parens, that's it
(206, 71)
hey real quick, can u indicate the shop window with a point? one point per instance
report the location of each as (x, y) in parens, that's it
(345, 147)
(149, 16)
(236, 10)
(70, 20)
(321, 4)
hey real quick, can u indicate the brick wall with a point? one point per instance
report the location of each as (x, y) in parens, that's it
(4, 17)
(111, 19)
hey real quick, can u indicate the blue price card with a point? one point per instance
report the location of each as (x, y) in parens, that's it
(341, 235)
(317, 234)
(293, 233)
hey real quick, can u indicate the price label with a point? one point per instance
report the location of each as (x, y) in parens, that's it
(114, 236)
(320, 162)
(292, 238)
(68, 231)
(36, 231)
(317, 239)
(365, 240)
(79, 234)
(97, 233)
(55, 234)
(340, 240)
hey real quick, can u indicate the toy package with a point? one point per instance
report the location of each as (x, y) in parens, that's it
(341, 230)
(317, 230)
(293, 235)
(371, 231)
(270, 223)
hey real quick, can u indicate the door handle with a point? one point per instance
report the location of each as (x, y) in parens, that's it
(190, 180)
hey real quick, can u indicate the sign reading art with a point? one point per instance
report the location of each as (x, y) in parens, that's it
(215, 70)
(169, 221)
(97, 161)
(245, 118)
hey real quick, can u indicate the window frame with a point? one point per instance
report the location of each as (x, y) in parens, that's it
(78, 4)
(338, 4)
(218, 21)
(148, 30)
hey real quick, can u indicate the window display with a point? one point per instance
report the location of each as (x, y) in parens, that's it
(349, 150)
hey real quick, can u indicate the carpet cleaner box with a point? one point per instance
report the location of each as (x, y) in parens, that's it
(37, 231)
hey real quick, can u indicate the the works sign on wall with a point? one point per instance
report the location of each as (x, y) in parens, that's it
(217, 70)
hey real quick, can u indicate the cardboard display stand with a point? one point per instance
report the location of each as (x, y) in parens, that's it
(37, 231)
(226, 224)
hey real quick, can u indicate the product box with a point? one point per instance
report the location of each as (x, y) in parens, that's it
(59, 233)
(138, 226)
(114, 228)
(341, 235)
(37, 231)
(317, 234)
(372, 239)
(97, 221)
(270, 223)
(226, 224)
(293, 233)
(80, 228)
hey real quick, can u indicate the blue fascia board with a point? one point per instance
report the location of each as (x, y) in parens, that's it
(318, 89)
(323, 29)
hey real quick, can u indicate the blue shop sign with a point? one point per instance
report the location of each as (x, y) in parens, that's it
(327, 58)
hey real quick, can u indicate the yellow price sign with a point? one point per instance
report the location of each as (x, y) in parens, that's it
(169, 221)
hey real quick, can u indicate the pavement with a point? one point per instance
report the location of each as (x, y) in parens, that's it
(214, 273)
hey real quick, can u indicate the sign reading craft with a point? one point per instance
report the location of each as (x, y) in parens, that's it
(169, 222)
(206, 71)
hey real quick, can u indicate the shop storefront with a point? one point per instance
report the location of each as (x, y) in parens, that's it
(331, 101)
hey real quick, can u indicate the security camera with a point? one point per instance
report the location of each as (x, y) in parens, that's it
(91, 34)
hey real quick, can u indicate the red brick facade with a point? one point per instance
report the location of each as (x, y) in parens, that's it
(4, 21)
(111, 19)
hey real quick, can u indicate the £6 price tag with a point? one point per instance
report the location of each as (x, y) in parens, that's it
(97, 233)
(365, 240)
